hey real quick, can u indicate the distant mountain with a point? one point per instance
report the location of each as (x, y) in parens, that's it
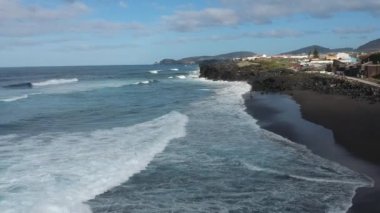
(240, 54)
(198, 59)
(320, 49)
(371, 46)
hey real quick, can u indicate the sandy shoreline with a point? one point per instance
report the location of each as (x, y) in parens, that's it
(332, 127)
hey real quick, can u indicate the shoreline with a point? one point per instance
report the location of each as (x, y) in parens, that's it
(334, 117)
(305, 117)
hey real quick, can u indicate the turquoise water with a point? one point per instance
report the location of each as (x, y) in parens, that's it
(150, 139)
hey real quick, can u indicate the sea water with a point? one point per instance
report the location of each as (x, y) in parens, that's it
(150, 138)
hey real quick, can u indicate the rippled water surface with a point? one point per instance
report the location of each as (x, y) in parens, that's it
(150, 139)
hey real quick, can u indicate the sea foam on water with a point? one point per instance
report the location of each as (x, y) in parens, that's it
(57, 172)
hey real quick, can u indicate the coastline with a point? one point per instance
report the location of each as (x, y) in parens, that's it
(332, 116)
(321, 123)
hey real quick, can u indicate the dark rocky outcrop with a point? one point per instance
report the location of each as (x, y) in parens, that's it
(278, 80)
(225, 70)
(168, 61)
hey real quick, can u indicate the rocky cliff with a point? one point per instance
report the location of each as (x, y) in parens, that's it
(282, 79)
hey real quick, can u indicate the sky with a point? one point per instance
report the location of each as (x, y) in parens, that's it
(120, 32)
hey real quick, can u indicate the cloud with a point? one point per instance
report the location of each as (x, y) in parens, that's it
(21, 43)
(100, 27)
(277, 34)
(14, 11)
(95, 47)
(237, 12)
(283, 33)
(259, 11)
(192, 20)
(355, 30)
(20, 20)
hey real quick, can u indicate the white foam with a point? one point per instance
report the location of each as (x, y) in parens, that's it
(228, 104)
(194, 73)
(299, 177)
(55, 82)
(84, 86)
(154, 71)
(181, 76)
(66, 169)
(170, 77)
(144, 82)
(14, 98)
(174, 69)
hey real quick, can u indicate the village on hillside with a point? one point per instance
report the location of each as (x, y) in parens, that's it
(350, 64)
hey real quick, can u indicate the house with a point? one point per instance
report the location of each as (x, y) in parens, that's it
(370, 70)
(344, 68)
(370, 65)
(251, 58)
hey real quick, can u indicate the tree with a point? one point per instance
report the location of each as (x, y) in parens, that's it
(315, 53)
(375, 58)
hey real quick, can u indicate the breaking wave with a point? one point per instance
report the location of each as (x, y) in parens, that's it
(67, 169)
(54, 82)
(145, 82)
(154, 71)
(15, 98)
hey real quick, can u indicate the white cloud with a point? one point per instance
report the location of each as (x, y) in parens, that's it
(15, 43)
(20, 20)
(277, 34)
(282, 33)
(101, 27)
(192, 20)
(14, 11)
(259, 11)
(356, 30)
(236, 12)
(95, 47)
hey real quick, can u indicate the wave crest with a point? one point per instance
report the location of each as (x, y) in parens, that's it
(154, 71)
(66, 169)
(55, 82)
(15, 98)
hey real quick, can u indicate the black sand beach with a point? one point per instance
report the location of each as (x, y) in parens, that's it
(335, 127)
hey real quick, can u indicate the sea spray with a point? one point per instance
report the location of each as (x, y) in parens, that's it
(66, 169)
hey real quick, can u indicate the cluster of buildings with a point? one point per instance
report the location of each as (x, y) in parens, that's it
(355, 65)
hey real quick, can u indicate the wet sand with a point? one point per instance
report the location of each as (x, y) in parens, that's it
(337, 128)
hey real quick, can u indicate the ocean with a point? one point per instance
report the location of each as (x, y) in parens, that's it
(150, 138)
